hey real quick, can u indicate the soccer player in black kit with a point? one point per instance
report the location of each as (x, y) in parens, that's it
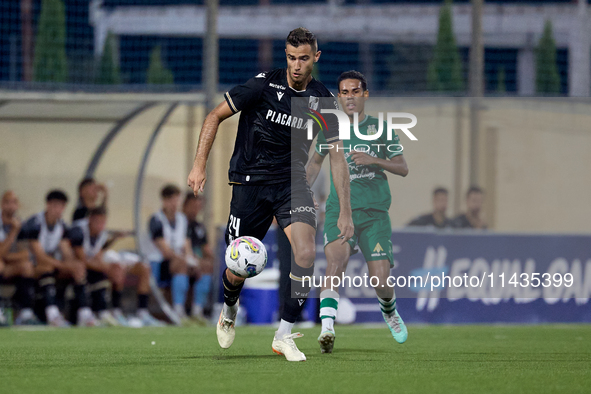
(268, 176)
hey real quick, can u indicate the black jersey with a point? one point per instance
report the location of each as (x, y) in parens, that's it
(272, 143)
(80, 213)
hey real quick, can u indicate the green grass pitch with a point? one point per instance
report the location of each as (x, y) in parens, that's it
(435, 359)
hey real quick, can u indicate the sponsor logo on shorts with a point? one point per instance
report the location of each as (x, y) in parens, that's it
(303, 209)
(378, 251)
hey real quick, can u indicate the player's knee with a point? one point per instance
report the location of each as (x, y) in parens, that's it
(143, 269)
(116, 270)
(79, 272)
(26, 269)
(41, 270)
(305, 256)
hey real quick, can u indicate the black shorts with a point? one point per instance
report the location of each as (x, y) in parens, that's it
(93, 276)
(253, 207)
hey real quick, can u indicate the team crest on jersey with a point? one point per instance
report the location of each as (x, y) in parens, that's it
(313, 103)
(371, 129)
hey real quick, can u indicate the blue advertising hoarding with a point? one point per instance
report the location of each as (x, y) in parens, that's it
(477, 277)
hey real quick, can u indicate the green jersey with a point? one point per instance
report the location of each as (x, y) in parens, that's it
(369, 184)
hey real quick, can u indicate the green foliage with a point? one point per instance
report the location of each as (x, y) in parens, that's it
(445, 69)
(547, 77)
(108, 69)
(407, 64)
(158, 74)
(50, 63)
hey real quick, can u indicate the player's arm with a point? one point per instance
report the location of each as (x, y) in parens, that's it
(105, 192)
(76, 237)
(164, 249)
(197, 177)
(96, 263)
(22, 253)
(396, 165)
(207, 252)
(313, 167)
(66, 250)
(188, 251)
(10, 239)
(340, 177)
(42, 257)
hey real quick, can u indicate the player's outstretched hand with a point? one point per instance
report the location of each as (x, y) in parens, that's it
(197, 179)
(345, 224)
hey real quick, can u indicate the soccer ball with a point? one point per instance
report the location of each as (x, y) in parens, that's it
(246, 257)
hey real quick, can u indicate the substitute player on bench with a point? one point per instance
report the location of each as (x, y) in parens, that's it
(47, 235)
(15, 263)
(172, 253)
(370, 201)
(90, 241)
(267, 172)
(202, 250)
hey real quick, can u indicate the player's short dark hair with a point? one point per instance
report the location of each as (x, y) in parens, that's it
(352, 74)
(98, 211)
(56, 195)
(474, 189)
(85, 182)
(169, 191)
(190, 196)
(302, 36)
(439, 190)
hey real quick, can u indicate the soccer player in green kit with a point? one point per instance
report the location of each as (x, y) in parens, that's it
(370, 201)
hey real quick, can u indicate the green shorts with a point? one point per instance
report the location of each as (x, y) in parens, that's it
(373, 233)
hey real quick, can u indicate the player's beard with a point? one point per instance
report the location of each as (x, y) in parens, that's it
(304, 75)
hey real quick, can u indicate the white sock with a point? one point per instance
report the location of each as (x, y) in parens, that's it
(180, 310)
(327, 324)
(230, 311)
(387, 307)
(142, 313)
(117, 312)
(104, 314)
(84, 314)
(52, 312)
(26, 314)
(196, 310)
(284, 329)
(329, 303)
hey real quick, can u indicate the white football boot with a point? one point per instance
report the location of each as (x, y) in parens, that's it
(225, 329)
(286, 346)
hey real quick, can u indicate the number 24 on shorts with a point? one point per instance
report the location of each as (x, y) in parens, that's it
(234, 225)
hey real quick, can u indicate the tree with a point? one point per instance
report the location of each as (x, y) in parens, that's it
(158, 74)
(50, 63)
(108, 68)
(547, 77)
(445, 69)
